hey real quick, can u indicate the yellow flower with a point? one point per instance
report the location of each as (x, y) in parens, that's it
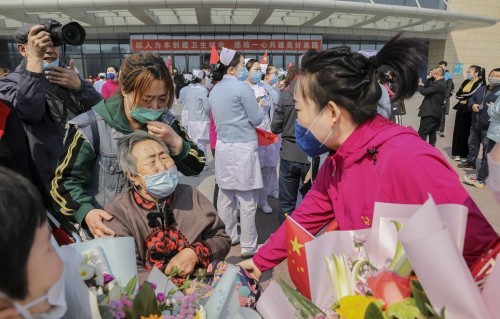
(201, 313)
(151, 317)
(353, 307)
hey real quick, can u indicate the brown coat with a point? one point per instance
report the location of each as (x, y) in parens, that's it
(197, 225)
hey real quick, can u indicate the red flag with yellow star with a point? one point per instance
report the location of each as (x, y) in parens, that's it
(264, 59)
(296, 237)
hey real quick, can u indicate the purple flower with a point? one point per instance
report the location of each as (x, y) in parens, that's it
(108, 278)
(160, 297)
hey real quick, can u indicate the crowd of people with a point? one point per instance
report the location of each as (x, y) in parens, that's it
(106, 155)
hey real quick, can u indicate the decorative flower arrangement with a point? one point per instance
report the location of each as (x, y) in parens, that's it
(127, 303)
(363, 291)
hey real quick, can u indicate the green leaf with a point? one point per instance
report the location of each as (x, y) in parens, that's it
(299, 302)
(404, 310)
(373, 312)
(145, 302)
(420, 297)
(130, 287)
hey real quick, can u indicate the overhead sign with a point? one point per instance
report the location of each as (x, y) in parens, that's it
(239, 45)
(458, 68)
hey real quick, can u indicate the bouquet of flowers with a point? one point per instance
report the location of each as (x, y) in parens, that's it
(124, 303)
(101, 267)
(370, 270)
(365, 291)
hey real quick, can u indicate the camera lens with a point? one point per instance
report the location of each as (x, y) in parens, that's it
(73, 34)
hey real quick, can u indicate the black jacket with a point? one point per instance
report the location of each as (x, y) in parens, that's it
(283, 123)
(483, 96)
(44, 110)
(434, 93)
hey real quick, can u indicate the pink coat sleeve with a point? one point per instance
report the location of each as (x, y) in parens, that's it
(313, 213)
(416, 173)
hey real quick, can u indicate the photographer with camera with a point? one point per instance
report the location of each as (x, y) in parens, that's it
(44, 92)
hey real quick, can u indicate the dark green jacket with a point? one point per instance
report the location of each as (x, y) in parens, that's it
(72, 188)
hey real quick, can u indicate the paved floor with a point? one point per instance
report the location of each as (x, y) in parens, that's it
(266, 224)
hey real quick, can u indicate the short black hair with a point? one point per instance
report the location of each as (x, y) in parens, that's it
(443, 63)
(21, 213)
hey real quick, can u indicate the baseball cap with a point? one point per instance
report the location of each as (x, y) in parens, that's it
(21, 34)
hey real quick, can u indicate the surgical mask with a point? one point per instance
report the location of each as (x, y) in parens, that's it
(274, 80)
(144, 115)
(111, 75)
(469, 76)
(256, 77)
(161, 184)
(55, 297)
(306, 140)
(244, 74)
(494, 81)
(54, 63)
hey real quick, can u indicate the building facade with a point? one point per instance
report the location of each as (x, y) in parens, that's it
(183, 30)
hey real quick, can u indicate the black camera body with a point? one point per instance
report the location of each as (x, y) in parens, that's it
(71, 33)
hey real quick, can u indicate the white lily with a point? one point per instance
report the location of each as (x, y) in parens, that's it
(86, 272)
(341, 276)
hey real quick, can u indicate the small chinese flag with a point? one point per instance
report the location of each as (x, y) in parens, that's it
(264, 58)
(169, 63)
(296, 237)
(214, 56)
(290, 64)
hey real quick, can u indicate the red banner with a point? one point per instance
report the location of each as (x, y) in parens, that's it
(238, 45)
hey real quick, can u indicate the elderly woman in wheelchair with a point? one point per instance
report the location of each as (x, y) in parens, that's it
(174, 225)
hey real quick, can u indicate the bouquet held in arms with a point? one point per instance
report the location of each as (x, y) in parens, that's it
(370, 271)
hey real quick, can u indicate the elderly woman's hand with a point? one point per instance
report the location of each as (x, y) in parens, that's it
(184, 261)
(94, 218)
(167, 135)
(252, 269)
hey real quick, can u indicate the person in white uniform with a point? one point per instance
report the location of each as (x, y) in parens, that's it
(237, 170)
(198, 110)
(268, 156)
(270, 83)
(182, 99)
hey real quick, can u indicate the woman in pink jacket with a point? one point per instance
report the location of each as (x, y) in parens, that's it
(371, 158)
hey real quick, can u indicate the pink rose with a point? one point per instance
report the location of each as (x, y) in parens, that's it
(389, 287)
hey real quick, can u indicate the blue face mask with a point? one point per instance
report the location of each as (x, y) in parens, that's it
(54, 63)
(274, 80)
(111, 75)
(244, 74)
(162, 184)
(306, 140)
(256, 77)
(144, 115)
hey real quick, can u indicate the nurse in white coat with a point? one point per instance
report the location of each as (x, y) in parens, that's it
(268, 155)
(182, 99)
(237, 170)
(198, 110)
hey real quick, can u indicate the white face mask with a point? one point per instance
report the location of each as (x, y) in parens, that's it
(55, 297)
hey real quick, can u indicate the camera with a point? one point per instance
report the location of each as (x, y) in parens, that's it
(71, 33)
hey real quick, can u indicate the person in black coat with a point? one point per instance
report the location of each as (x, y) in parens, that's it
(434, 92)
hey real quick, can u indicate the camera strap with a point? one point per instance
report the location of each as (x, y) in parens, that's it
(63, 97)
